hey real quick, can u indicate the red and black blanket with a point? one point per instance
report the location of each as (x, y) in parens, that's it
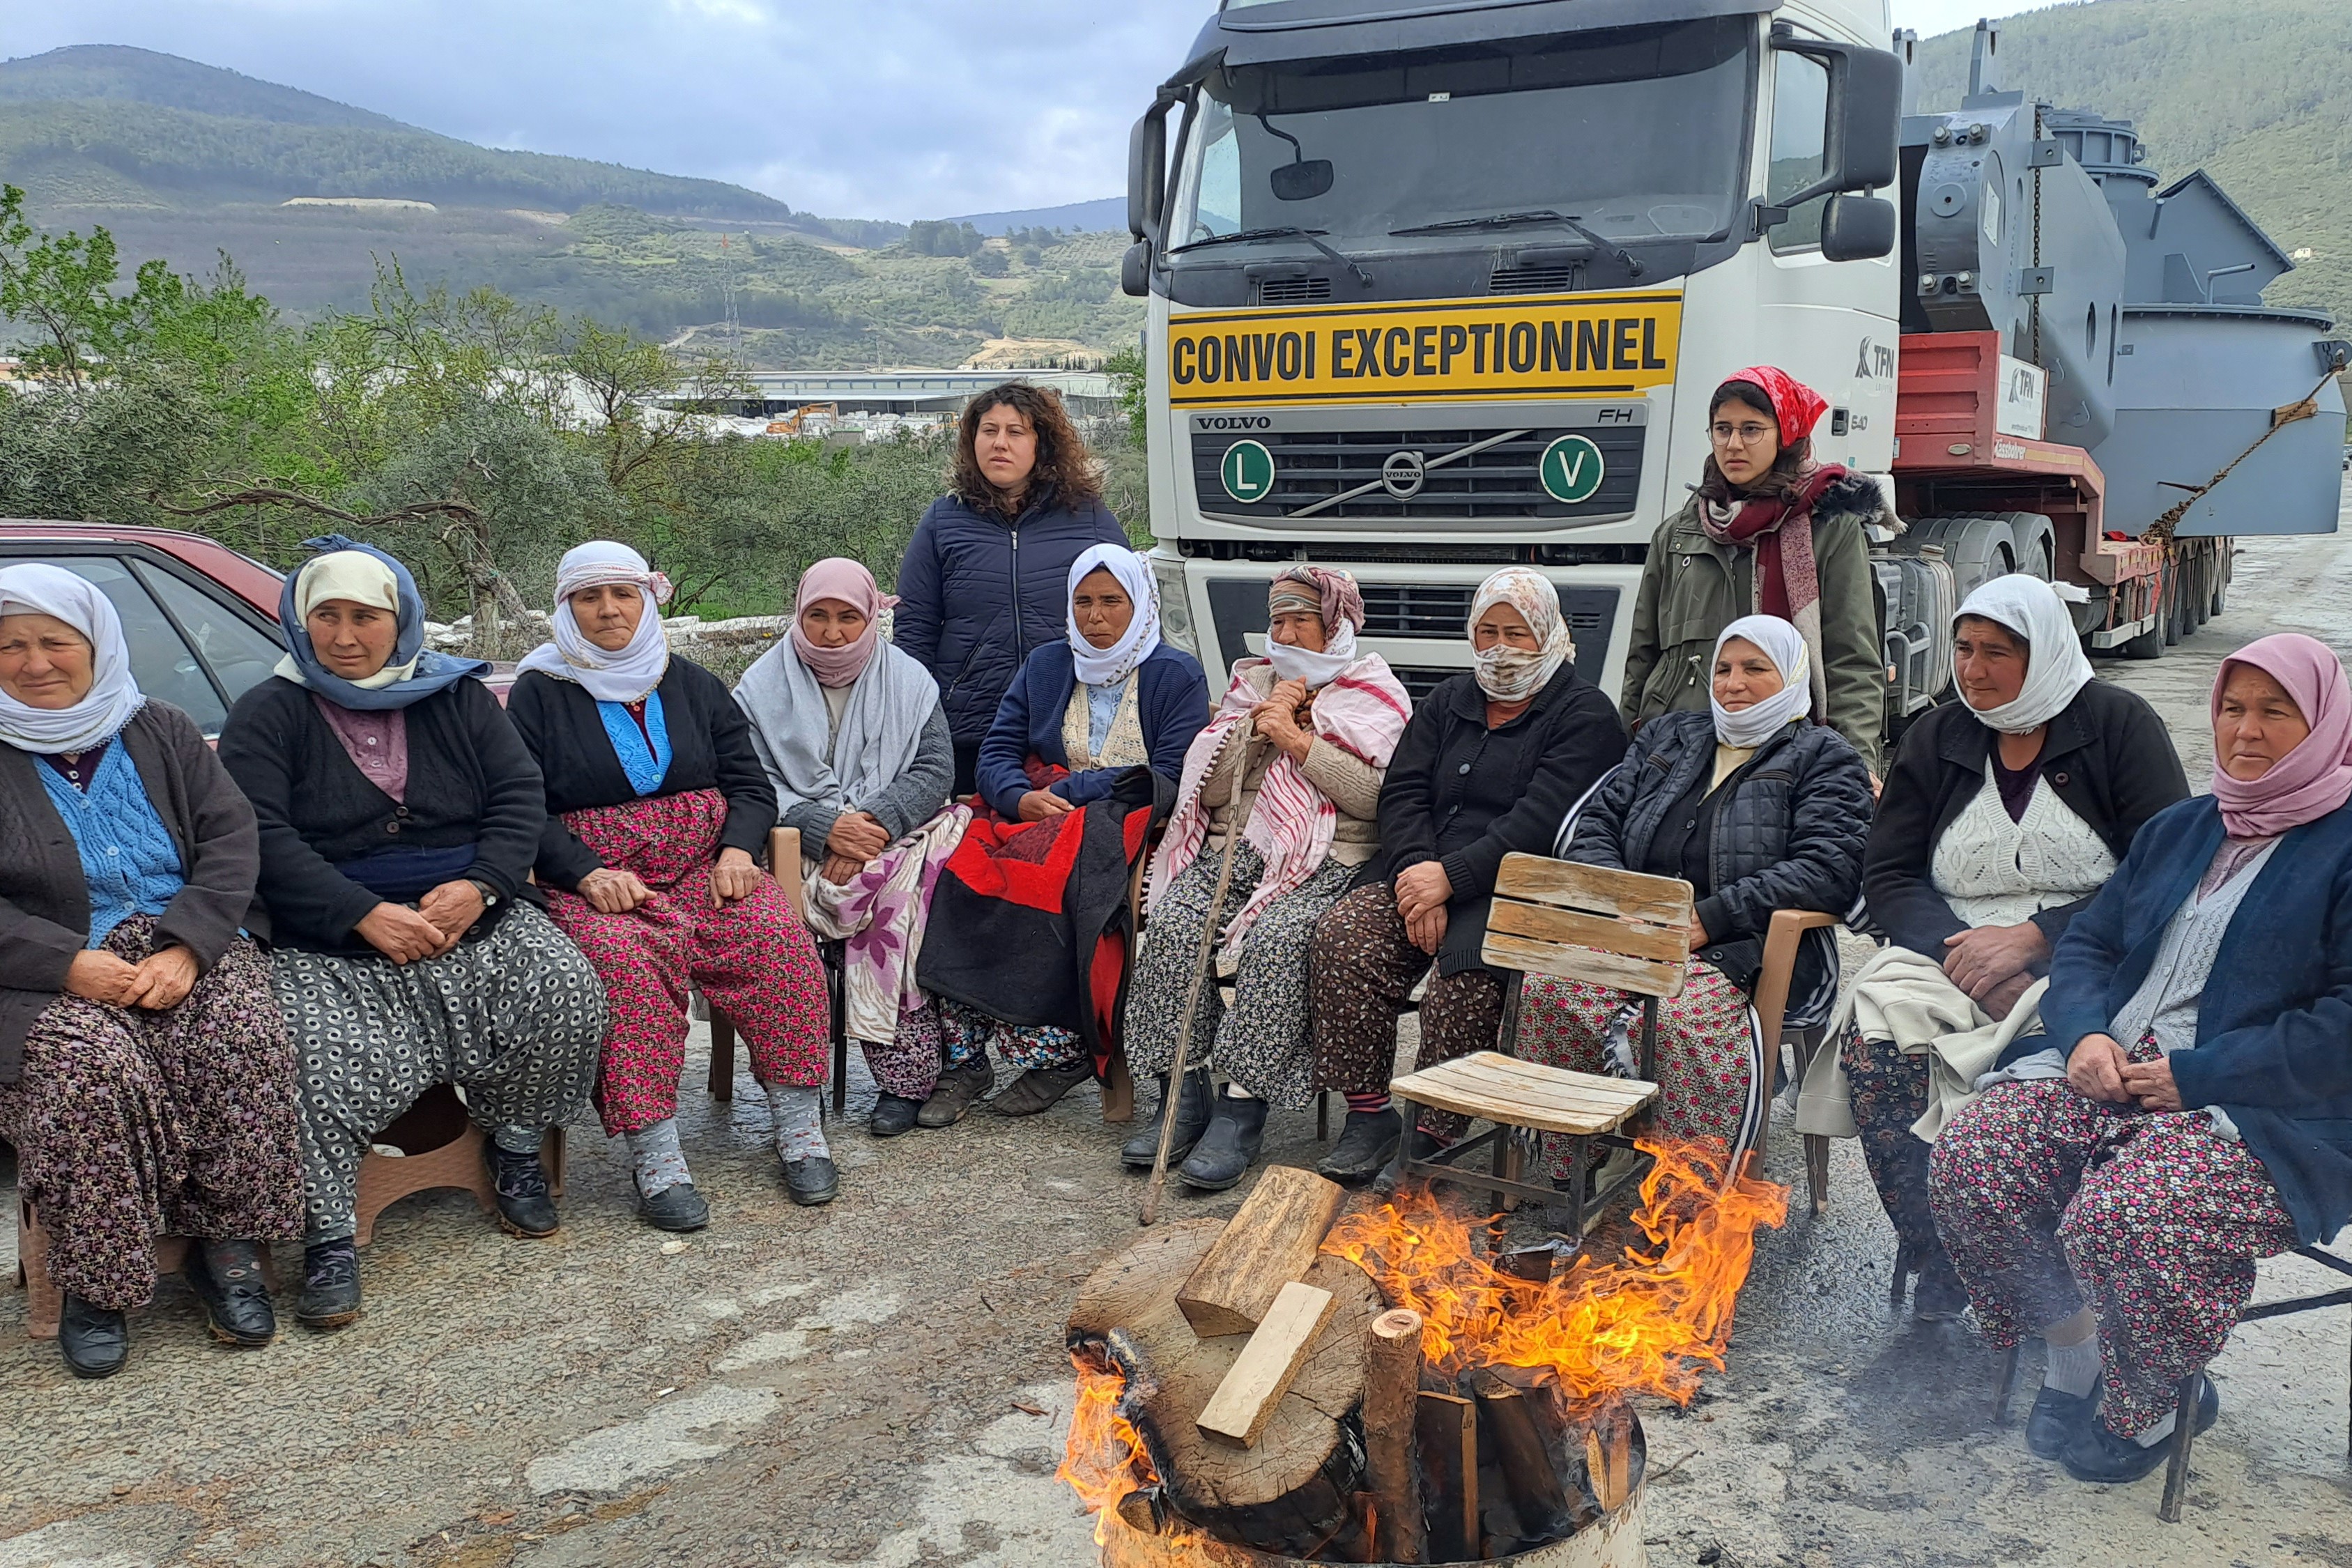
(1029, 921)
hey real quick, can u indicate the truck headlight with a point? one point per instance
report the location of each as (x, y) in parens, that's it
(1175, 606)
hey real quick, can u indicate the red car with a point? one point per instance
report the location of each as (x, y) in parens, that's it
(201, 619)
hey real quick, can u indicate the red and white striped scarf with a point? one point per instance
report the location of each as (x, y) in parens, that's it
(1362, 712)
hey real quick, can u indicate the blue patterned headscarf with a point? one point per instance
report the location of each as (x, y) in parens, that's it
(415, 672)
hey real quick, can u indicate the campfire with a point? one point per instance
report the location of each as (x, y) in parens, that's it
(1385, 1389)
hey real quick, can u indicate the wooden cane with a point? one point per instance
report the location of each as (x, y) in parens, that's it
(1174, 1095)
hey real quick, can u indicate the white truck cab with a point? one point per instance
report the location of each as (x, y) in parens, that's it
(1437, 286)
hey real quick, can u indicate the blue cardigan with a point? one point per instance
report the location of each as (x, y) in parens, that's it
(2275, 1030)
(1174, 706)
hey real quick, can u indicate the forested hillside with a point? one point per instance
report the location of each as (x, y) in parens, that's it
(2259, 92)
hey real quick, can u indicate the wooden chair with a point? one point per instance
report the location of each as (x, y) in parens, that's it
(1780, 943)
(785, 866)
(1618, 929)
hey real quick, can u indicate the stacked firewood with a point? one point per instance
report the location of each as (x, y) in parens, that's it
(1283, 1407)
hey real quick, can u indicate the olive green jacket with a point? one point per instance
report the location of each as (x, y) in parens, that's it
(1693, 587)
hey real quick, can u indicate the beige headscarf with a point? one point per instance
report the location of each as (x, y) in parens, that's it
(362, 580)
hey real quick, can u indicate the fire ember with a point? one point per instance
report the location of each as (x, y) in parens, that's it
(1483, 1415)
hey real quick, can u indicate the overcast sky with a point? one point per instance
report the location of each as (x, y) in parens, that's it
(893, 109)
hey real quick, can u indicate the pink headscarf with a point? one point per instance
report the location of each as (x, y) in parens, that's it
(2316, 776)
(838, 578)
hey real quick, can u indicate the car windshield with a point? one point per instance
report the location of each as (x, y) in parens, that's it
(1636, 133)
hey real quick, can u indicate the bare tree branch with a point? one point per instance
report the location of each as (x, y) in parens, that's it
(271, 496)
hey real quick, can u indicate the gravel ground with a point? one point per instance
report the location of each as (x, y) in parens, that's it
(881, 1382)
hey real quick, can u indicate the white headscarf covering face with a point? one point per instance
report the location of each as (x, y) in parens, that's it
(1109, 666)
(1508, 674)
(638, 667)
(2055, 668)
(360, 579)
(113, 695)
(1784, 645)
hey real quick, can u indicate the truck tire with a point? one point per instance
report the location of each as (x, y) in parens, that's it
(1982, 545)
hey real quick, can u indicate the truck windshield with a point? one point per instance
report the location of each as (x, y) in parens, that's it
(1636, 133)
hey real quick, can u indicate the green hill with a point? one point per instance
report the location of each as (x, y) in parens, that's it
(2255, 91)
(103, 125)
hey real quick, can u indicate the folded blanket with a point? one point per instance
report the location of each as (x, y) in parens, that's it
(1906, 997)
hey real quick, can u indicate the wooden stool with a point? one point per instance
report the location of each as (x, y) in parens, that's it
(444, 1150)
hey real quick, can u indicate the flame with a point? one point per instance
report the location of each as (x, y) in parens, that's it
(1647, 1320)
(1104, 1459)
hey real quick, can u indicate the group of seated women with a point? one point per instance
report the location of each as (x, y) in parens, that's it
(222, 976)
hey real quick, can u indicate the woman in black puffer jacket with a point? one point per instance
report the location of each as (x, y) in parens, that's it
(1759, 810)
(985, 580)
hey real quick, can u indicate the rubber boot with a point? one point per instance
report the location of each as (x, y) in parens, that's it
(1142, 1145)
(1228, 1148)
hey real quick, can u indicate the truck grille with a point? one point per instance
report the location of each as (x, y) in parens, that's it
(1531, 280)
(1442, 611)
(1292, 291)
(1502, 482)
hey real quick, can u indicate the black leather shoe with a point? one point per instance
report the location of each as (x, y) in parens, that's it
(1142, 1145)
(1367, 1143)
(226, 1278)
(1939, 1296)
(2057, 1419)
(2102, 1459)
(955, 1092)
(1230, 1146)
(676, 1207)
(526, 1209)
(330, 1285)
(1040, 1089)
(94, 1340)
(893, 1114)
(811, 1180)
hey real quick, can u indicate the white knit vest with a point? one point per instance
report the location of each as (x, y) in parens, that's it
(1996, 872)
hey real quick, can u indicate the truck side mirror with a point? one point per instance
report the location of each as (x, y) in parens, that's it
(1860, 150)
(1857, 228)
(1135, 270)
(1147, 173)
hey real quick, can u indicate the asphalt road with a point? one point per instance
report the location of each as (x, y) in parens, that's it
(881, 1382)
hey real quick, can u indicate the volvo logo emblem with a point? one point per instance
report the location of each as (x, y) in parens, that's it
(1403, 474)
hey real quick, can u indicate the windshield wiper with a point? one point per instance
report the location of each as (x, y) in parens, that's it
(1633, 263)
(1286, 231)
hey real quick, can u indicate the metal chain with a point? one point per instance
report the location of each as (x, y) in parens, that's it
(2033, 301)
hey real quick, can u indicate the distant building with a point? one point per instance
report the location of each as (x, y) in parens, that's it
(904, 392)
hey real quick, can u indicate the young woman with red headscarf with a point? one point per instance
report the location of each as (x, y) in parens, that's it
(1768, 532)
(2194, 1111)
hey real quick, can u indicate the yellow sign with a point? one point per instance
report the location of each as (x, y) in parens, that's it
(1540, 346)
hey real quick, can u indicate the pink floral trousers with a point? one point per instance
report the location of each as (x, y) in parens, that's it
(2045, 1198)
(753, 959)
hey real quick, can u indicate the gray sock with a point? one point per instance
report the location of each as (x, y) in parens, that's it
(2160, 1431)
(2073, 1369)
(518, 1140)
(660, 1162)
(800, 1122)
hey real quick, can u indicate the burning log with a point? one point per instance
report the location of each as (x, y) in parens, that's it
(1294, 1492)
(1270, 1241)
(1446, 1428)
(1525, 1429)
(1391, 1390)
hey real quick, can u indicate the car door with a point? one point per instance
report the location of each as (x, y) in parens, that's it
(189, 646)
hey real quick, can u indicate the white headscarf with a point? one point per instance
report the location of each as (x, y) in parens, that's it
(637, 667)
(360, 578)
(113, 695)
(1784, 645)
(1109, 666)
(2055, 669)
(1508, 674)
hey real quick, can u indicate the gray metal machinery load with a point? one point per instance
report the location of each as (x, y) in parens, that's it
(2209, 413)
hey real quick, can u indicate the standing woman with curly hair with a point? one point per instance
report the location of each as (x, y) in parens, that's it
(985, 582)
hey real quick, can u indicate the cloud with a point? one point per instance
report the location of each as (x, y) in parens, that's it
(898, 109)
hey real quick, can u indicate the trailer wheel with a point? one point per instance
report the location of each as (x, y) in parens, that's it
(2173, 613)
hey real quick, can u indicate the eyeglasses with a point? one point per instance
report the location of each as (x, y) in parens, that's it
(1745, 434)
